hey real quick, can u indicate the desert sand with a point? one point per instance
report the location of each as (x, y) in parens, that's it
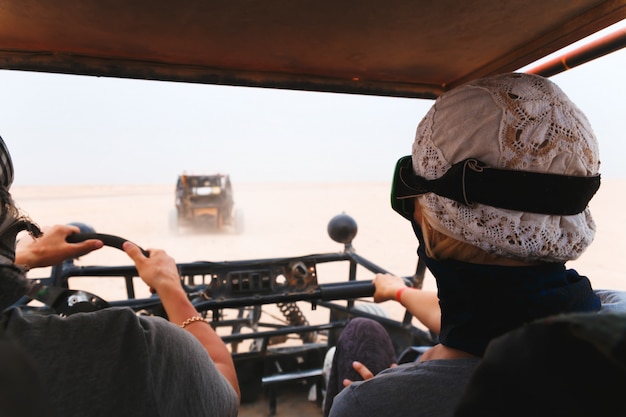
(286, 220)
(289, 220)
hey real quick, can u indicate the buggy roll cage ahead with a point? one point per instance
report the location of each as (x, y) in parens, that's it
(230, 294)
(213, 286)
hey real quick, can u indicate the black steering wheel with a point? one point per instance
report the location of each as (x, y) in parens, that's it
(65, 301)
(108, 240)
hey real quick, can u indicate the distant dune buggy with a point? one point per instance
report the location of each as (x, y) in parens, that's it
(205, 201)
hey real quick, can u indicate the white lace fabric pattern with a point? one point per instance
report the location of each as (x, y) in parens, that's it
(514, 121)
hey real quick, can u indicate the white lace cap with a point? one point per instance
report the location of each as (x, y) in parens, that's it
(515, 121)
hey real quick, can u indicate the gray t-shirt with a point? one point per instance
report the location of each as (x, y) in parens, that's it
(430, 389)
(115, 363)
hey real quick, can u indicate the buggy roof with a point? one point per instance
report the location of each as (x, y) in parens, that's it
(407, 48)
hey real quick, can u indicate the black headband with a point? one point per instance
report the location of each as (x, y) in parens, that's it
(471, 181)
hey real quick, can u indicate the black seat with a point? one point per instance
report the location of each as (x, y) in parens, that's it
(569, 365)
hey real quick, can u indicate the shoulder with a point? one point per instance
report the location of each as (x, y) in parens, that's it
(111, 327)
(427, 386)
(433, 369)
(142, 351)
(108, 324)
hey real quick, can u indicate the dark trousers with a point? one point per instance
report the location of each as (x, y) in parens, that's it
(362, 340)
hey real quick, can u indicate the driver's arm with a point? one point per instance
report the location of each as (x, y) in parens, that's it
(51, 248)
(160, 272)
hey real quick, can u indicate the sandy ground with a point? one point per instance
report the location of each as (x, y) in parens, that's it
(286, 220)
(290, 220)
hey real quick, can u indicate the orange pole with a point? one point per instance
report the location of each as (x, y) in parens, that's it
(596, 49)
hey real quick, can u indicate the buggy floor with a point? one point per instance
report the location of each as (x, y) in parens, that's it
(291, 401)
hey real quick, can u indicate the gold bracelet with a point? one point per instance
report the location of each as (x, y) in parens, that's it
(191, 320)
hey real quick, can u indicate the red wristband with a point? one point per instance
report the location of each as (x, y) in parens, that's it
(399, 294)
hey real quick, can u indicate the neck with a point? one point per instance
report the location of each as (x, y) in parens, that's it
(480, 302)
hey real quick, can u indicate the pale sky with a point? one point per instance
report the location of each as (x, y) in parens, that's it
(74, 130)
